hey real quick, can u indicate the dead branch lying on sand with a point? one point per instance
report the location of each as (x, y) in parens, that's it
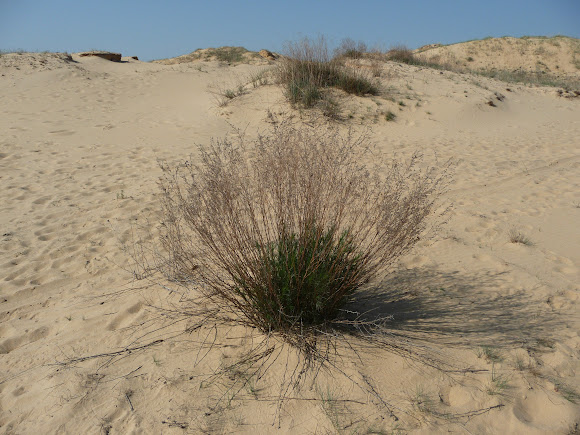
(127, 350)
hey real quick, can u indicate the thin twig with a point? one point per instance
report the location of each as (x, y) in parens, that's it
(109, 354)
(129, 400)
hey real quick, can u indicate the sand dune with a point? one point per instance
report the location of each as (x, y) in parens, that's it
(552, 58)
(78, 169)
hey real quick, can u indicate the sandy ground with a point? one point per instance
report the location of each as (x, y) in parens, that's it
(78, 169)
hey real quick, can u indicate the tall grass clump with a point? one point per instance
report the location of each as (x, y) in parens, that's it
(307, 69)
(280, 233)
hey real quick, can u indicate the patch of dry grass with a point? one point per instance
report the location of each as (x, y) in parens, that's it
(516, 236)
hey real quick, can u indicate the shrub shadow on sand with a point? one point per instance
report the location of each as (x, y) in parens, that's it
(451, 308)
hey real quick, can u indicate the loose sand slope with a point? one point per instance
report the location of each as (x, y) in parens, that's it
(558, 56)
(78, 167)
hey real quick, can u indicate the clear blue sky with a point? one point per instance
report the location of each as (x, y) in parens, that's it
(156, 29)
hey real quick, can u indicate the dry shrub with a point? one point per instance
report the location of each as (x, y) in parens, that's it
(282, 232)
(351, 49)
(401, 53)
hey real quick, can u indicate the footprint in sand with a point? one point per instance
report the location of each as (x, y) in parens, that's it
(567, 270)
(44, 236)
(42, 200)
(19, 391)
(13, 343)
(126, 317)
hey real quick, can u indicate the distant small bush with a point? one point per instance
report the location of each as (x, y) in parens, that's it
(227, 54)
(401, 54)
(351, 49)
